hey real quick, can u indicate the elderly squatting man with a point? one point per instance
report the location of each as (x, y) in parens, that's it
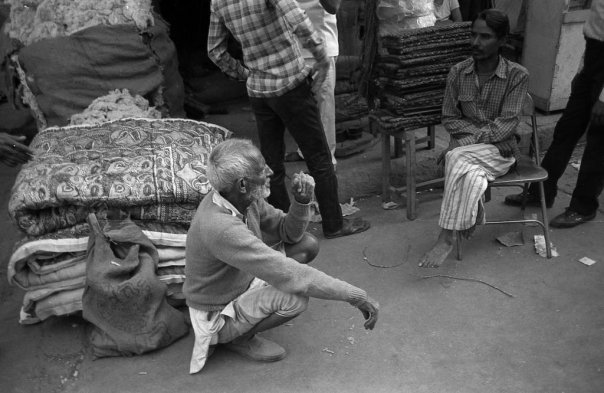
(246, 260)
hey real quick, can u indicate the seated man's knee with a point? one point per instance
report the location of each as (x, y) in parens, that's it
(305, 250)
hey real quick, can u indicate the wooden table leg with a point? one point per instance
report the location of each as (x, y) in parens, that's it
(431, 137)
(398, 147)
(385, 167)
(410, 178)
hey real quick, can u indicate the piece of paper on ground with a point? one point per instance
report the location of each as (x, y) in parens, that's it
(347, 210)
(511, 239)
(540, 247)
(587, 261)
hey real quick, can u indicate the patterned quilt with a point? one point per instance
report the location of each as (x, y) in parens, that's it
(152, 168)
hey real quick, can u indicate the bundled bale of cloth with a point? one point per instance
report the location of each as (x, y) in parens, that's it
(65, 54)
(153, 170)
(118, 104)
(350, 106)
(52, 268)
(410, 74)
(35, 20)
(395, 15)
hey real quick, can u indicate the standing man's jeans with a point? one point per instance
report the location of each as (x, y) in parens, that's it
(585, 90)
(327, 105)
(297, 111)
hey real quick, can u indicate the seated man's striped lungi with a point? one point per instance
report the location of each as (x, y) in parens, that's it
(468, 170)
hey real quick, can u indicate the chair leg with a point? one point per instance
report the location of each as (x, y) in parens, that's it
(524, 197)
(458, 241)
(548, 247)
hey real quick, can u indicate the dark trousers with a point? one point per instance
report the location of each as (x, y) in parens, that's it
(585, 89)
(297, 111)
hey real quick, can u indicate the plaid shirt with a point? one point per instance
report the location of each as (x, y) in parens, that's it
(267, 31)
(487, 114)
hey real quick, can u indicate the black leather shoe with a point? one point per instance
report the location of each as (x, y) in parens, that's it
(531, 200)
(570, 219)
(349, 227)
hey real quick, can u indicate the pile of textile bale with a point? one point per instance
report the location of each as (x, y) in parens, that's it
(411, 73)
(34, 20)
(151, 169)
(63, 54)
(395, 15)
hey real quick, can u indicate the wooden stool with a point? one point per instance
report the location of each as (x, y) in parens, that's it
(406, 138)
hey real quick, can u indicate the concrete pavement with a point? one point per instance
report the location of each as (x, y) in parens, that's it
(434, 334)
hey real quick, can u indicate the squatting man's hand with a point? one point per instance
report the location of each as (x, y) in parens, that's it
(370, 309)
(12, 150)
(303, 187)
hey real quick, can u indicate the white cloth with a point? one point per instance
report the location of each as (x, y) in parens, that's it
(594, 25)
(206, 329)
(468, 170)
(325, 23)
(443, 12)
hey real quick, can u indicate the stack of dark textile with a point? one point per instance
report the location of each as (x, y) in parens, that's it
(350, 106)
(411, 73)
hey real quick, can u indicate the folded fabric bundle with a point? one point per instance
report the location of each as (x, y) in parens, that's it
(350, 106)
(387, 122)
(44, 261)
(396, 71)
(425, 33)
(429, 46)
(152, 168)
(411, 74)
(52, 269)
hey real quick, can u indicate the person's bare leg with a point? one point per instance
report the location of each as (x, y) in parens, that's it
(440, 251)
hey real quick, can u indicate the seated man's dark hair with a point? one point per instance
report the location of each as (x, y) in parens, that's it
(497, 20)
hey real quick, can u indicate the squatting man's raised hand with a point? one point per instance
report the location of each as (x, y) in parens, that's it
(303, 187)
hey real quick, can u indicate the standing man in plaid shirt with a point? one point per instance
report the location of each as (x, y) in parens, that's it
(280, 88)
(481, 108)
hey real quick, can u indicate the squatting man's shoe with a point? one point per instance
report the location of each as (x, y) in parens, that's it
(257, 348)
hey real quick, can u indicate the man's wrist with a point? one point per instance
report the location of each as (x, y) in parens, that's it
(304, 201)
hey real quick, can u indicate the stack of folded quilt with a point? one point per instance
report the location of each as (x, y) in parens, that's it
(152, 169)
(411, 73)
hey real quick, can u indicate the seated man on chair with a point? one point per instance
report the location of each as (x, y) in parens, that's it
(236, 284)
(482, 103)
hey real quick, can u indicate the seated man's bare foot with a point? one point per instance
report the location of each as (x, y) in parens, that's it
(437, 255)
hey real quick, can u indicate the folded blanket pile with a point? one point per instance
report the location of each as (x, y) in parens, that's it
(411, 73)
(151, 169)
